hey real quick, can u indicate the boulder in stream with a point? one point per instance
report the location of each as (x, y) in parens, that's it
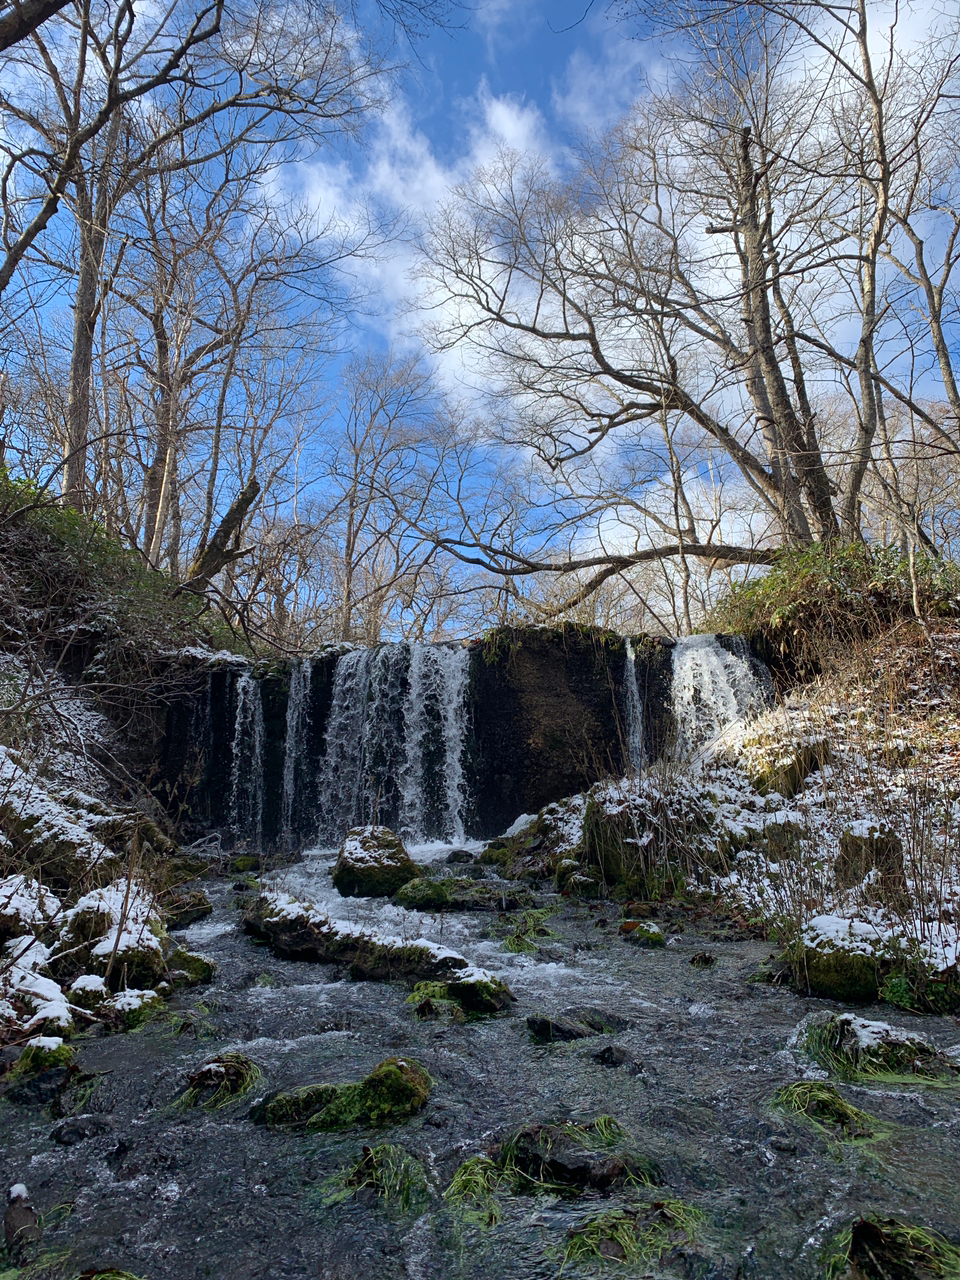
(595, 1155)
(459, 893)
(853, 1048)
(373, 863)
(395, 1090)
(297, 930)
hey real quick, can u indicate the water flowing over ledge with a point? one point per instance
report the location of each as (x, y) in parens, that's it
(449, 742)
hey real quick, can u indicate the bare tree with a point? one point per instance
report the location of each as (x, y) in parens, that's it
(697, 273)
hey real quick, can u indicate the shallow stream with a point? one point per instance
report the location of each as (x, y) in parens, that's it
(169, 1193)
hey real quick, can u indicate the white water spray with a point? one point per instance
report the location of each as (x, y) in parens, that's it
(246, 768)
(297, 704)
(713, 687)
(634, 708)
(394, 742)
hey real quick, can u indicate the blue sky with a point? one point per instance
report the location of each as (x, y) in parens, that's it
(509, 74)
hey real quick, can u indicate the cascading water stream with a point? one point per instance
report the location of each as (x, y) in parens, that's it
(293, 743)
(246, 769)
(634, 709)
(394, 742)
(432, 779)
(713, 687)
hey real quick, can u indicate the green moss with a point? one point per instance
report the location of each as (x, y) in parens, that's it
(395, 1090)
(836, 1045)
(643, 934)
(522, 933)
(836, 974)
(187, 969)
(244, 864)
(824, 1106)
(220, 1081)
(293, 1106)
(431, 1000)
(392, 1174)
(36, 1058)
(889, 1249)
(640, 1235)
(472, 1191)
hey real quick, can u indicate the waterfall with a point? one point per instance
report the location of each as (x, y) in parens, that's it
(341, 775)
(634, 708)
(432, 779)
(713, 687)
(394, 742)
(246, 769)
(293, 744)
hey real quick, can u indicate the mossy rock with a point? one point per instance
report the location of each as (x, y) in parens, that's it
(373, 863)
(395, 1090)
(478, 995)
(833, 973)
(132, 1009)
(853, 1048)
(187, 969)
(45, 1054)
(787, 772)
(299, 933)
(89, 991)
(244, 864)
(616, 848)
(185, 909)
(595, 1155)
(287, 1107)
(889, 1249)
(874, 849)
(461, 894)
(643, 933)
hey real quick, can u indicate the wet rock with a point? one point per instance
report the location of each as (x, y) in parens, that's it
(643, 933)
(550, 1028)
(573, 1156)
(462, 894)
(373, 863)
(298, 931)
(78, 1129)
(851, 1048)
(457, 857)
(395, 1090)
(703, 960)
(600, 1020)
(286, 1107)
(40, 1090)
(186, 909)
(615, 1055)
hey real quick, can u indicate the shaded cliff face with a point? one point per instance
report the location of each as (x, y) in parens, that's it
(544, 712)
(549, 716)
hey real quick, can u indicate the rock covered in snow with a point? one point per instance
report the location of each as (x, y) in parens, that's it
(373, 863)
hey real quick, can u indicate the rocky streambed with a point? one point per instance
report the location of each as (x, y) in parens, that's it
(624, 1114)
